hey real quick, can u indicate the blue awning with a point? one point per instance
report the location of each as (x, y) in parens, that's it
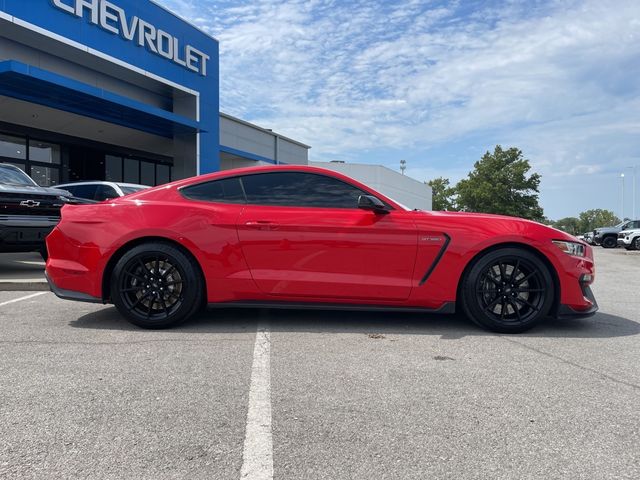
(31, 84)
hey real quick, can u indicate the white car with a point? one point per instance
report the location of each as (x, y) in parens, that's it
(629, 239)
(100, 190)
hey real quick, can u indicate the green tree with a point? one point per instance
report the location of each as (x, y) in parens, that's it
(499, 184)
(443, 194)
(570, 225)
(595, 218)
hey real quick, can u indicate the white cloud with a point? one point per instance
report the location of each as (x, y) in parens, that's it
(556, 78)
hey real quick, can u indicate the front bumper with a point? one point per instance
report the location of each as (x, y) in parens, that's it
(566, 311)
(624, 242)
(24, 234)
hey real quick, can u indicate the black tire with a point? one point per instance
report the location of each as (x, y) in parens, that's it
(636, 243)
(508, 290)
(610, 242)
(151, 301)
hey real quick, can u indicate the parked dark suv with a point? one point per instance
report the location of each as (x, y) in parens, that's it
(28, 212)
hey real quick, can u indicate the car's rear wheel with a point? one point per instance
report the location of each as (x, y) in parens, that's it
(156, 285)
(507, 290)
(636, 243)
(610, 242)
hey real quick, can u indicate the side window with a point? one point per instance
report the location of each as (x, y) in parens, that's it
(85, 191)
(227, 190)
(298, 189)
(105, 192)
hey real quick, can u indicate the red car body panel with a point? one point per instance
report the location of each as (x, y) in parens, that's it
(252, 253)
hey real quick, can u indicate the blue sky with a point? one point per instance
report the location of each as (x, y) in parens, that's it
(439, 83)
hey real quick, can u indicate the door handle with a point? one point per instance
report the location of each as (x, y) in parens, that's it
(261, 225)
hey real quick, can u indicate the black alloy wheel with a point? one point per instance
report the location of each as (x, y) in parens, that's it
(508, 291)
(156, 285)
(610, 242)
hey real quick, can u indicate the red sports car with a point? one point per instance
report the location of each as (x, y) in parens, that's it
(298, 236)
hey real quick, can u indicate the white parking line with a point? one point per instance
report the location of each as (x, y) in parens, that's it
(22, 298)
(257, 456)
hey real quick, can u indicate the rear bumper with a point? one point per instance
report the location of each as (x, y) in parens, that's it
(70, 294)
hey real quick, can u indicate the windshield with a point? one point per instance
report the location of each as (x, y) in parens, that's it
(128, 190)
(10, 175)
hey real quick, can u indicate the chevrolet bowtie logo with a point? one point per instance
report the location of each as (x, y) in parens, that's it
(30, 203)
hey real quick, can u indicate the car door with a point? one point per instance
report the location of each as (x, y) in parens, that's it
(302, 235)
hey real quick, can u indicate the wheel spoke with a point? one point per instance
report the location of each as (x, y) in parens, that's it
(528, 304)
(516, 309)
(143, 265)
(503, 272)
(137, 277)
(174, 282)
(139, 301)
(493, 303)
(527, 277)
(514, 272)
(165, 308)
(167, 271)
(529, 290)
(133, 289)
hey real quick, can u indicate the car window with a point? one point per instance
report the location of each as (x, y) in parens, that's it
(105, 192)
(14, 176)
(83, 191)
(299, 189)
(227, 190)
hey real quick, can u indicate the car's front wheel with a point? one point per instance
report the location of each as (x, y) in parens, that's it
(636, 243)
(507, 290)
(156, 285)
(610, 242)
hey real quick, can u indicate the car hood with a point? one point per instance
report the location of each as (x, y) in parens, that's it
(607, 230)
(33, 190)
(502, 224)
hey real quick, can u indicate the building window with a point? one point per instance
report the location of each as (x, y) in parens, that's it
(45, 176)
(147, 173)
(163, 174)
(13, 147)
(44, 152)
(113, 168)
(131, 170)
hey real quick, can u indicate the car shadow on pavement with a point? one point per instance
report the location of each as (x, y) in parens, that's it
(451, 327)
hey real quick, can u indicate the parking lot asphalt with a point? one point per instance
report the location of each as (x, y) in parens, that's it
(83, 394)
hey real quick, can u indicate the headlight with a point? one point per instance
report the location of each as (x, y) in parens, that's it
(570, 248)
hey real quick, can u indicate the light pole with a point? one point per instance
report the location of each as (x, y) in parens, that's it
(622, 201)
(403, 166)
(633, 189)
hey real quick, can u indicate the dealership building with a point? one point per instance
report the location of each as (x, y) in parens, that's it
(124, 90)
(118, 90)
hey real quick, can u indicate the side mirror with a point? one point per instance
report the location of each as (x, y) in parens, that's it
(369, 202)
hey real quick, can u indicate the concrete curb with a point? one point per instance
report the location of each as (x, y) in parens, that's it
(24, 286)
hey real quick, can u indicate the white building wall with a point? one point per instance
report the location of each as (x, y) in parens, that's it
(405, 190)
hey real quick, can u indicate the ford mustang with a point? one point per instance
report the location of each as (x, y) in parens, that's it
(306, 237)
